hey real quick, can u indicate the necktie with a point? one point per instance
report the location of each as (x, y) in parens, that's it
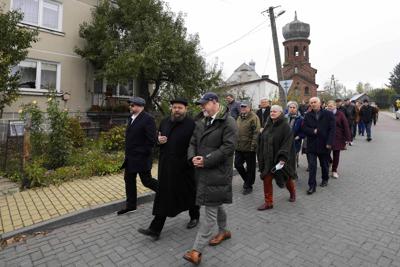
(208, 121)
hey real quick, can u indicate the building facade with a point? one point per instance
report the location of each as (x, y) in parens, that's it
(52, 62)
(297, 65)
(245, 83)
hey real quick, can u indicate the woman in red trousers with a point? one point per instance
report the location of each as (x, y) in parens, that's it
(276, 148)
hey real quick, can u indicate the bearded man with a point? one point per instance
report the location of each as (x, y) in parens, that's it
(177, 188)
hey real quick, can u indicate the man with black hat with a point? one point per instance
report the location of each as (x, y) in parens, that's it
(140, 138)
(177, 188)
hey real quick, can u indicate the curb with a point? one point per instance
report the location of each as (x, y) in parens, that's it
(76, 216)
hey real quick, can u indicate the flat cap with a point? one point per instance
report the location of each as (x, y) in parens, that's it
(179, 100)
(137, 101)
(245, 103)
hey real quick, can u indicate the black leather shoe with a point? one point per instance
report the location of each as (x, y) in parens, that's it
(324, 183)
(311, 191)
(192, 224)
(247, 191)
(124, 211)
(150, 233)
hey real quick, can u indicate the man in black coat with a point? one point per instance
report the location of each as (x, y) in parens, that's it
(350, 116)
(319, 127)
(263, 112)
(367, 113)
(140, 138)
(177, 187)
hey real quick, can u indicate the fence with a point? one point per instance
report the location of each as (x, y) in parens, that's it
(11, 145)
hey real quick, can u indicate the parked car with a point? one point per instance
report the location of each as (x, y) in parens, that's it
(397, 114)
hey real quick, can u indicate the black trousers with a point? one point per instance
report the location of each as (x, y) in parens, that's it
(248, 174)
(351, 127)
(312, 165)
(158, 222)
(130, 186)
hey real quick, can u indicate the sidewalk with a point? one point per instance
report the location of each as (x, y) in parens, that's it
(22, 209)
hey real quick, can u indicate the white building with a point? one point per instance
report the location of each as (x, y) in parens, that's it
(245, 83)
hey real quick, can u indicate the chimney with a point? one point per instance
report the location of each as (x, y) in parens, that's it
(252, 65)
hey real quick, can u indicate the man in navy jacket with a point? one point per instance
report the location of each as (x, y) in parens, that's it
(140, 138)
(319, 127)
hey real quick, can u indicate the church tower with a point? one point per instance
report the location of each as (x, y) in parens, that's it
(297, 65)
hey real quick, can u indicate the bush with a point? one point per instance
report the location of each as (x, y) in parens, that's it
(64, 174)
(37, 136)
(36, 173)
(114, 139)
(59, 146)
(75, 132)
(85, 164)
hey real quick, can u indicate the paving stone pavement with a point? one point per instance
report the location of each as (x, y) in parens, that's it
(355, 221)
(22, 209)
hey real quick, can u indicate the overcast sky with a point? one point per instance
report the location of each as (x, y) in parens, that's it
(354, 40)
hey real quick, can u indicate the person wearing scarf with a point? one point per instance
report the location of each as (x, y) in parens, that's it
(295, 121)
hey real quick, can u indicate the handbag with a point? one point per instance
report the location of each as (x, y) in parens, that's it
(281, 176)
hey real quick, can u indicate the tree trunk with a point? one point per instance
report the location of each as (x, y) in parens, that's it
(143, 91)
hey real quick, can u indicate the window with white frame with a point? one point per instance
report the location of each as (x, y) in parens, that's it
(38, 75)
(119, 90)
(42, 13)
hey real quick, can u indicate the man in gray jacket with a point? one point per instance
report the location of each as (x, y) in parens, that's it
(233, 106)
(211, 151)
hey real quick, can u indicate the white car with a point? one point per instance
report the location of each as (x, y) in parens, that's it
(397, 114)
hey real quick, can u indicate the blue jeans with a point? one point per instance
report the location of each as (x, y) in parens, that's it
(368, 129)
(361, 128)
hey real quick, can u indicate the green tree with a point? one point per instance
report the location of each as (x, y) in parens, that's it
(143, 39)
(360, 88)
(59, 146)
(394, 79)
(383, 97)
(14, 42)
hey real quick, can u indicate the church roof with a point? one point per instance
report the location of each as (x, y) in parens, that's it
(296, 30)
(244, 67)
(243, 73)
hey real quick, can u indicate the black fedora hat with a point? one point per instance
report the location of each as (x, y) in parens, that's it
(179, 100)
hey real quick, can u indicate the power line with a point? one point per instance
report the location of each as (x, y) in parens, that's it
(268, 56)
(236, 40)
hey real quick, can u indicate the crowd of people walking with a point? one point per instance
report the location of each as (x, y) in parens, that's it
(197, 155)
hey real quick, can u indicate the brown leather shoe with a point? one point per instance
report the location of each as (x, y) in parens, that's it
(193, 256)
(216, 240)
(265, 206)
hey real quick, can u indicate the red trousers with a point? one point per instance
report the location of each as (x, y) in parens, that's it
(268, 189)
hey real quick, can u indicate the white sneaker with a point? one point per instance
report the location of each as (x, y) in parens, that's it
(335, 175)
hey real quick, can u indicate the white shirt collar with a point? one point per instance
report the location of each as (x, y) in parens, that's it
(213, 117)
(134, 116)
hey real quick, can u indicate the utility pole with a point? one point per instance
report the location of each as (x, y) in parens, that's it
(333, 84)
(278, 62)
